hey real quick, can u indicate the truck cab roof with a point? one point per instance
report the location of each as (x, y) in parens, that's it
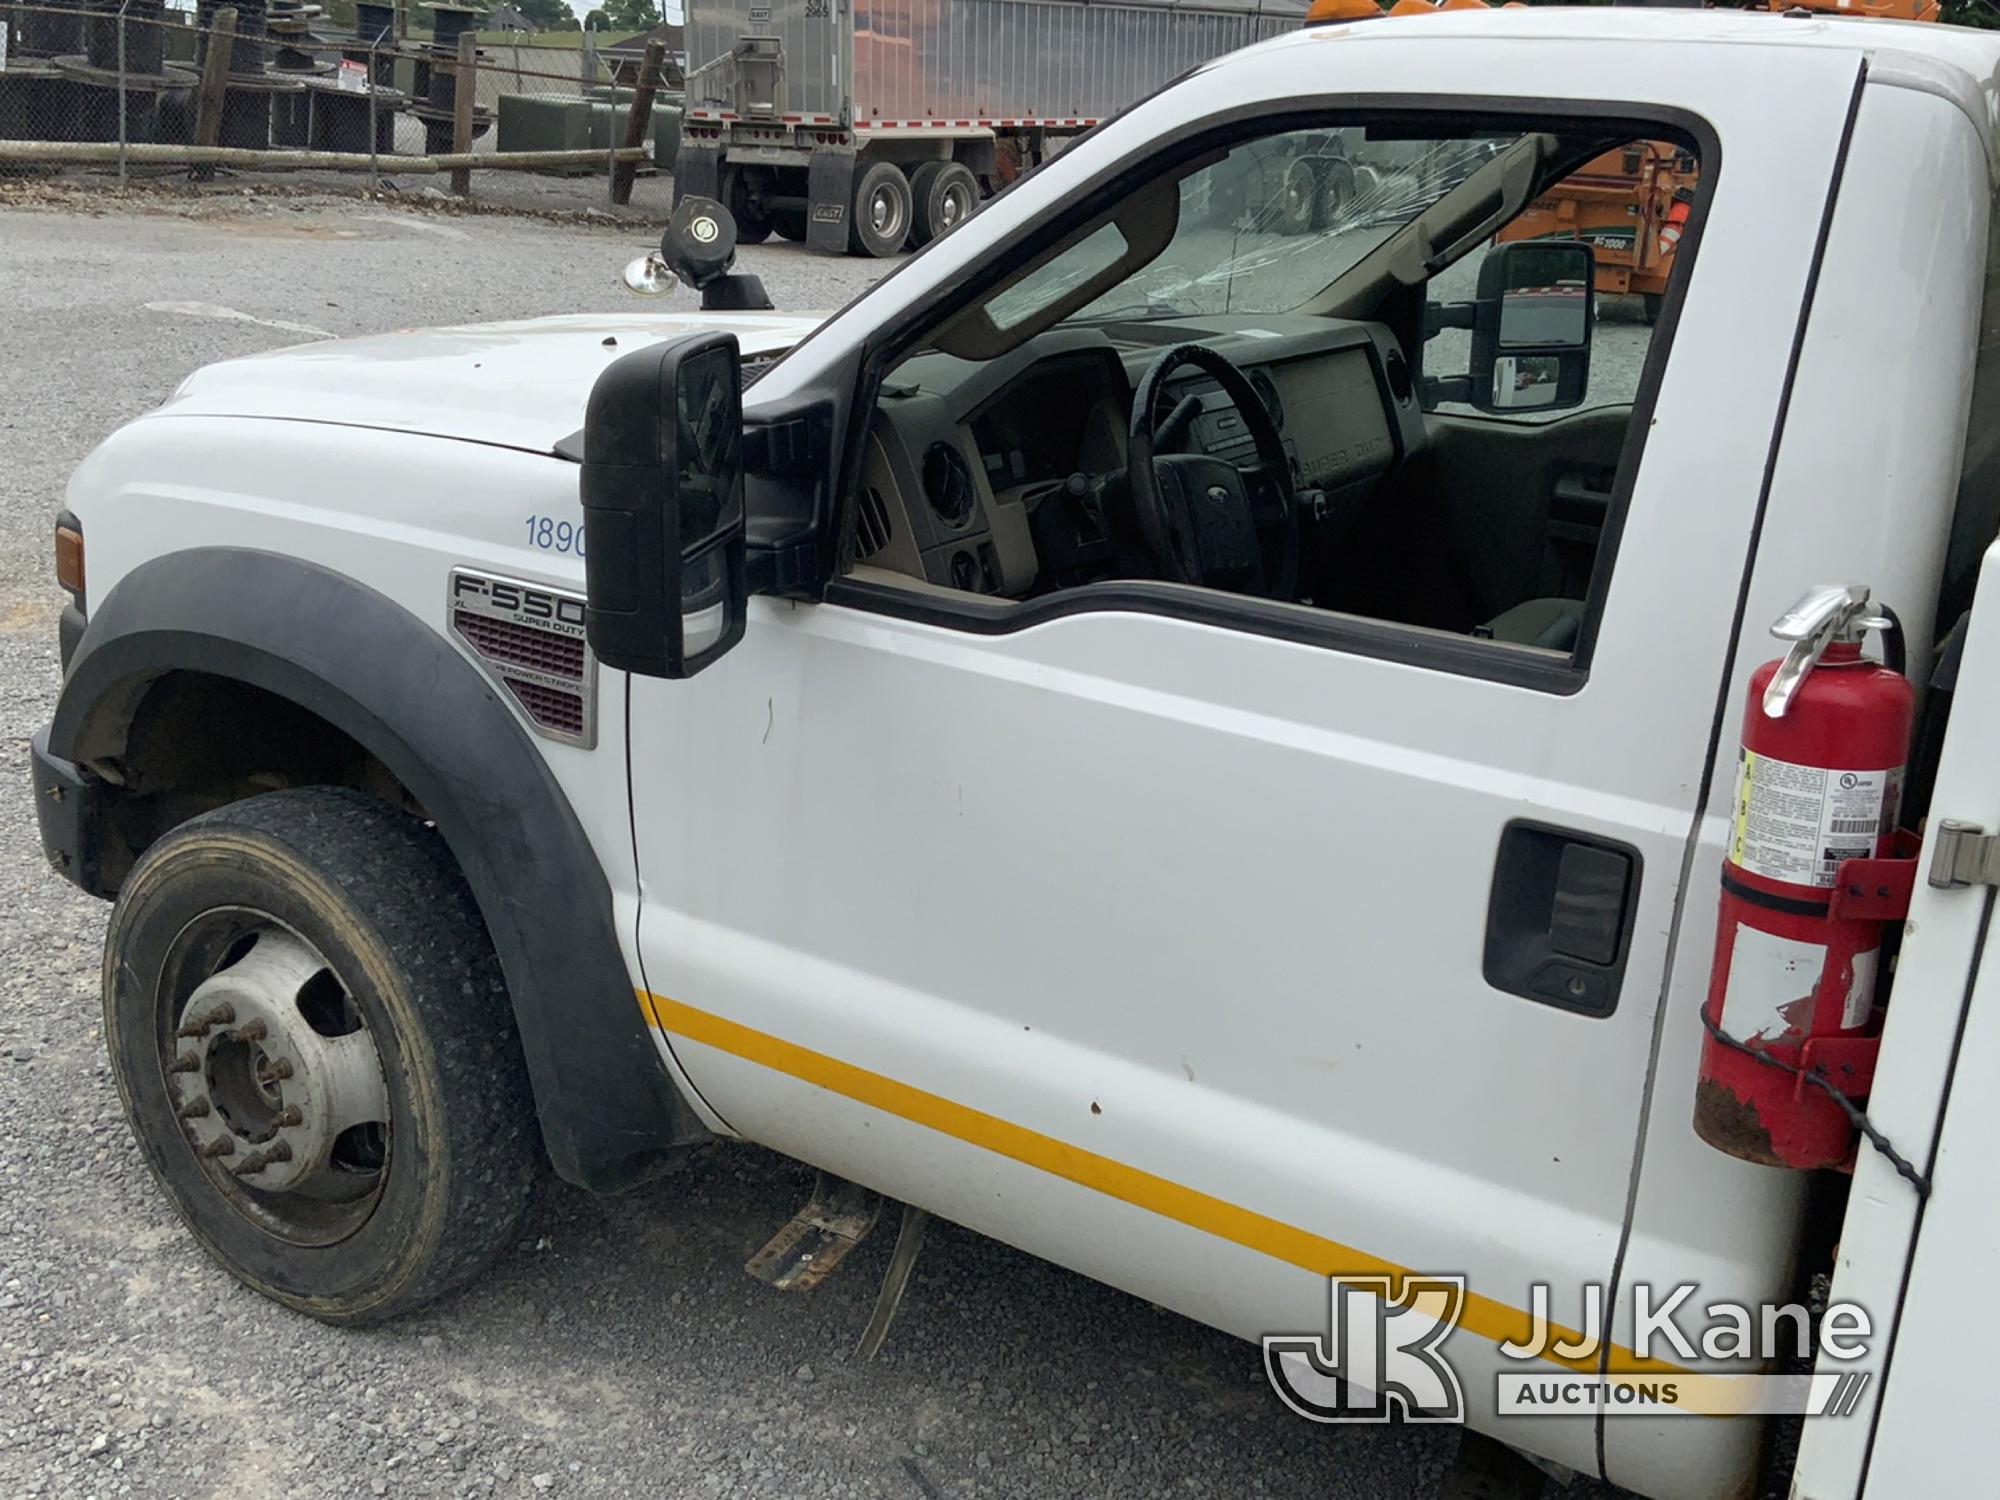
(1954, 62)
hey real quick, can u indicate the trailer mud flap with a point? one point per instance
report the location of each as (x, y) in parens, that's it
(697, 170)
(829, 196)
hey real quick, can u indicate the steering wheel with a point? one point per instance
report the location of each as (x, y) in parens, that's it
(1204, 520)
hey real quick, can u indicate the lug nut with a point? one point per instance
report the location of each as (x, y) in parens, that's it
(250, 1031)
(185, 1062)
(223, 1146)
(220, 1015)
(256, 1161)
(289, 1115)
(276, 1069)
(194, 1109)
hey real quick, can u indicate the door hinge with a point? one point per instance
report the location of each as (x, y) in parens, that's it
(1963, 854)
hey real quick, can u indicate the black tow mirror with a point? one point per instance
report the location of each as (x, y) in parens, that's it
(663, 506)
(1532, 326)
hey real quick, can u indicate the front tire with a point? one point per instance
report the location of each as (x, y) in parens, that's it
(313, 1043)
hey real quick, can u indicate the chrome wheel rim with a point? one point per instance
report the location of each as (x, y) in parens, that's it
(275, 1076)
(885, 212)
(957, 205)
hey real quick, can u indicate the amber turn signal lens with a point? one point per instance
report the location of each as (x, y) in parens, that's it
(69, 559)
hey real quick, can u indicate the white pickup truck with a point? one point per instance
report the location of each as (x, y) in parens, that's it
(1099, 739)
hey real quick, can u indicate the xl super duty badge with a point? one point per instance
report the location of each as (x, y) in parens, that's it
(528, 638)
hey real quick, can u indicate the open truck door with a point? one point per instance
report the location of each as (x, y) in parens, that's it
(1912, 1252)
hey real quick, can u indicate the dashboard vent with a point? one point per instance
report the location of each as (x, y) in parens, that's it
(948, 485)
(871, 527)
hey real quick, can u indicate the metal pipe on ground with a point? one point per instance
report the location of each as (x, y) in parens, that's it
(91, 153)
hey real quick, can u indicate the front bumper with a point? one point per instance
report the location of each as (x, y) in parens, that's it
(68, 806)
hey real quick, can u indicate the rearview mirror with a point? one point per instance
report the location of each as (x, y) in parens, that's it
(1532, 328)
(662, 489)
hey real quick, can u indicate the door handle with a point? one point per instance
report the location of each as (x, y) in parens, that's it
(1559, 919)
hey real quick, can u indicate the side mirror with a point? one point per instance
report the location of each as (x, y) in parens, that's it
(1532, 326)
(663, 506)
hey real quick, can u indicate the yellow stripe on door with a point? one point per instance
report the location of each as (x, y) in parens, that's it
(1115, 1179)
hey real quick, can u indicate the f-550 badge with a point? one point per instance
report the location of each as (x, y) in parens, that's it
(528, 638)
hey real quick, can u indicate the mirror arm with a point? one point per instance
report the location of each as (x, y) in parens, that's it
(1439, 316)
(1441, 388)
(783, 446)
(782, 561)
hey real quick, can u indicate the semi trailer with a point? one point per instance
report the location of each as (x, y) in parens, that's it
(863, 126)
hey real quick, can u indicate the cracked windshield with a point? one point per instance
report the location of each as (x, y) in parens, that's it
(1267, 227)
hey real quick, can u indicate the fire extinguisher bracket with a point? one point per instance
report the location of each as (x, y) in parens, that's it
(1877, 890)
(1846, 1063)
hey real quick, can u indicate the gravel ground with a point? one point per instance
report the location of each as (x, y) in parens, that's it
(621, 1350)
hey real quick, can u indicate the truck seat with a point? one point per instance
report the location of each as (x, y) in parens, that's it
(1551, 624)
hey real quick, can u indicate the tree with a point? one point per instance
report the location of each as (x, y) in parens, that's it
(624, 16)
(547, 14)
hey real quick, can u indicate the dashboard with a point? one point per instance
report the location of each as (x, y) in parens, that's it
(969, 463)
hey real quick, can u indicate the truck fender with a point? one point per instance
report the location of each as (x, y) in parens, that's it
(610, 1115)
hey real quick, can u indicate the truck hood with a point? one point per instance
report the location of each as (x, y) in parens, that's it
(515, 385)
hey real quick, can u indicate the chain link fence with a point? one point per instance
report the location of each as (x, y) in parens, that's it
(144, 88)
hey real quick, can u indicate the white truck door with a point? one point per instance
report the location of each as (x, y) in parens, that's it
(1162, 948)
(1914, 1265)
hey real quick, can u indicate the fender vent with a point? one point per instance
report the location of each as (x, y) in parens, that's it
(552, 708)
(529, 641)
(520, 645)
(871, 527)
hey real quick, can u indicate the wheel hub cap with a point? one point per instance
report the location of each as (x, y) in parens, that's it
(882, 212)
(277, 1081)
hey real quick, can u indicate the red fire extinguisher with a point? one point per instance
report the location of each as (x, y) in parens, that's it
(1790, 1015)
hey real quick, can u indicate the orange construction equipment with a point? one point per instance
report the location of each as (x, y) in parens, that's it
(1629, 205)
(1879, 10)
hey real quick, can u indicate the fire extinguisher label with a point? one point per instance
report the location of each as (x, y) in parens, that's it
(1772, 981)
(1798, 823)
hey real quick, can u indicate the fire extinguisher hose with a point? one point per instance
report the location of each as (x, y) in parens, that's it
(1856, 1116)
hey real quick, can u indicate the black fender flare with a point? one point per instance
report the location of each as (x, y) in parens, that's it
(610, 1114)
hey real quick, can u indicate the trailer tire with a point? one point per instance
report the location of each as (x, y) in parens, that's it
(753, 220)
(1295, 204)
(790, 224)
(944, 194)
(1336, 191)
(313, 1043)
(880, 220)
